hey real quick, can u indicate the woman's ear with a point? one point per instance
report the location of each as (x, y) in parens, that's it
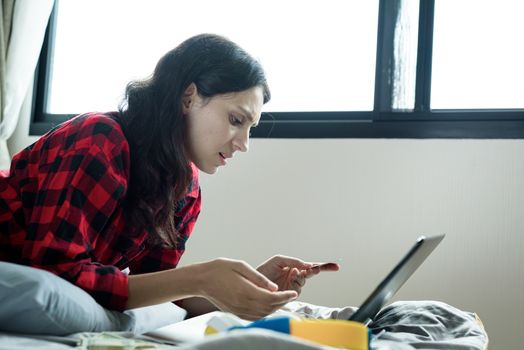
(189, 97)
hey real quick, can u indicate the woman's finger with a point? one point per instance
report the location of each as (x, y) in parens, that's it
(300, 281)
(287, 261)
(263, 296)
(284, 296)
(254, 276)
(300, 278)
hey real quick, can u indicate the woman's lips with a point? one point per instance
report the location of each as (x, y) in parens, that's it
(223, 160)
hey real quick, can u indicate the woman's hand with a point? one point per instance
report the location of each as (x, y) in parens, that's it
(234, 286)
(291, 273)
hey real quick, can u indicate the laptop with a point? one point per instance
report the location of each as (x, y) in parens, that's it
(396, 278)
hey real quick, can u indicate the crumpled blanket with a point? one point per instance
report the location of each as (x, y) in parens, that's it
(409, 325)
(428, 325)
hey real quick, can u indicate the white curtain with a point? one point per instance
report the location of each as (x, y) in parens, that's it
(28, 24)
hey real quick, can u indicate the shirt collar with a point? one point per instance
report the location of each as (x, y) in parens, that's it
(194, 186)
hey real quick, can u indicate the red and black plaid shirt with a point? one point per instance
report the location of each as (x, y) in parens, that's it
(61, 210)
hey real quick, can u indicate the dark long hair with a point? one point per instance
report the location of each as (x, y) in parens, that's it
(152, 119)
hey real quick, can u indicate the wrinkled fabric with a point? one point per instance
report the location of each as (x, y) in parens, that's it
(409, 325)
(428, 325)
(307, 310)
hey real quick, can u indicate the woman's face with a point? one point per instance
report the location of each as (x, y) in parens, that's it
(219, 126)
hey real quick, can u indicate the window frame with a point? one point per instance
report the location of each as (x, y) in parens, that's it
(382, 122)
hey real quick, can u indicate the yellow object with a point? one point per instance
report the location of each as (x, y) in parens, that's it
(210, 330)
(337, 333)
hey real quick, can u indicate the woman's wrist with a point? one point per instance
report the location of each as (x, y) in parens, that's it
(163, 286)
(191, 280)
(193, 276)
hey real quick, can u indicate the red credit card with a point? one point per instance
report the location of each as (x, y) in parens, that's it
(328, 264)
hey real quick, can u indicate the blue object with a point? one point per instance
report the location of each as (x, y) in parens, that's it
(278, 324)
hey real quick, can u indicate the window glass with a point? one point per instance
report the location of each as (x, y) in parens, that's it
(405, 55)
(478, 54)
(319, 56)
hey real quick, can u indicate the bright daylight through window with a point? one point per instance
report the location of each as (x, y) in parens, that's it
(478, 65)
(317, 58)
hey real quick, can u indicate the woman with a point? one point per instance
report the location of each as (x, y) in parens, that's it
(108, 191)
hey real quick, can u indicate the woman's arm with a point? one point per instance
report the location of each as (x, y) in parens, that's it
(163, 286)
(232, 285)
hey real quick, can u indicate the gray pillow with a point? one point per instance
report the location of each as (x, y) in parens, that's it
(35, 301)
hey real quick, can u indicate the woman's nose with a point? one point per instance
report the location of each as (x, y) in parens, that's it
(241, 142)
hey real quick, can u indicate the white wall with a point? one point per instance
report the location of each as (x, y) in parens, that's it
(364, 202)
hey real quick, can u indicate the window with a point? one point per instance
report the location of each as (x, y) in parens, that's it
(90, 60)
(478, 65)
(360, 68)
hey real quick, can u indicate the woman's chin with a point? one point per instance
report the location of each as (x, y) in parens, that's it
(208, 169)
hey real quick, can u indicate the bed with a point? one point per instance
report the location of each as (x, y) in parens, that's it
(39, 310)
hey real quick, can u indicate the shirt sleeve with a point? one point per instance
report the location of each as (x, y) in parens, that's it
(157, 258)
(76, 197)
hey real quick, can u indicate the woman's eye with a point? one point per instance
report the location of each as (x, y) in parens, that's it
(236, 121)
